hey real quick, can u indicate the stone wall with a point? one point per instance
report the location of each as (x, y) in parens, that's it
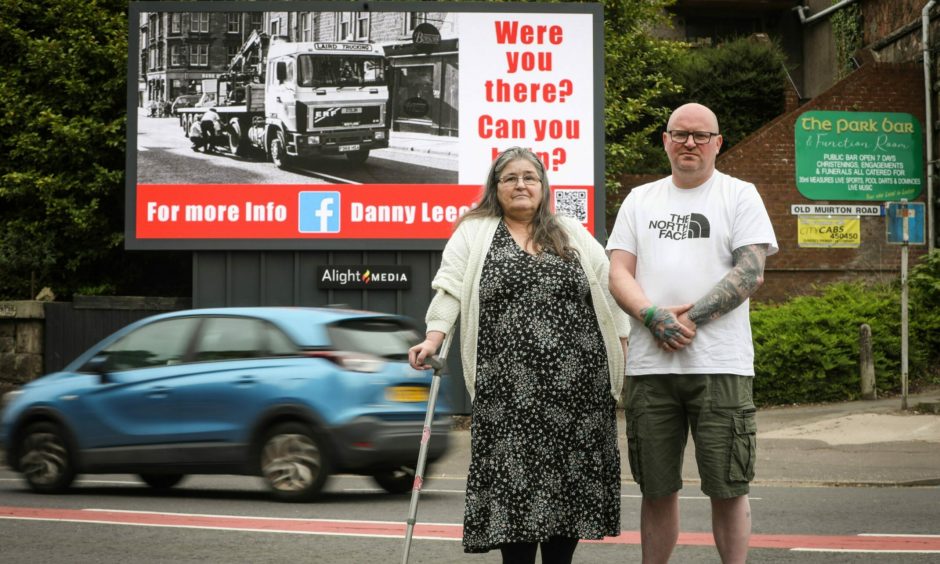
(21, 342)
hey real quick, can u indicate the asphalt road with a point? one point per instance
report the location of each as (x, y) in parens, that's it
(165, 156)
(230, 519)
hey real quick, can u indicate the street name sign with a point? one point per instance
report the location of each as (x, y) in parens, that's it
(839, 209)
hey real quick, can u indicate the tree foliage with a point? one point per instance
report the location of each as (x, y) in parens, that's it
(63, 92)
(637, 84)
(62, 106)
(743, 80)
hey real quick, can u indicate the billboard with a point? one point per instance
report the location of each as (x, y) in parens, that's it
(255, 127)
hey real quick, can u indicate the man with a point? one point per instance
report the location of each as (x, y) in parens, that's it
(195, 136)
(211, 125)
(686, 253)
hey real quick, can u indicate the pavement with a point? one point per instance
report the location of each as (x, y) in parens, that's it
(434, 151)
(424, 143)
(853, 443)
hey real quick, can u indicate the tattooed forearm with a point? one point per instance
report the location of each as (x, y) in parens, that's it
(742, 280)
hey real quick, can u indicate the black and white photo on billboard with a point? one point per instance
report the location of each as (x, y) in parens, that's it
(281, 97)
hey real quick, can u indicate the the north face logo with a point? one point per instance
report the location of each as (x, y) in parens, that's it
(692, 226)
(698, 226)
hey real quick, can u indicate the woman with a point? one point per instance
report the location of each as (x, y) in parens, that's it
(542, 363)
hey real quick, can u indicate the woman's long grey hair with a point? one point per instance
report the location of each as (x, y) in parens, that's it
(544, 231)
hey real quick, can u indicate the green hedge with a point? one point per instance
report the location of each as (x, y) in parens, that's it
(807, 349)
(925, 305)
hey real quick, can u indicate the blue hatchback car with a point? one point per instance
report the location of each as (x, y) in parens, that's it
(290, 394)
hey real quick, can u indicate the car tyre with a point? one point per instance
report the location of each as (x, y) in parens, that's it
(46, 459)
(162, 481)
(278, 150)
(396, 480)
(237, 138)
(294, 462)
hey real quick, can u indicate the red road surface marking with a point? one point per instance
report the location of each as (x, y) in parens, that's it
(443, 531)
(225, 522)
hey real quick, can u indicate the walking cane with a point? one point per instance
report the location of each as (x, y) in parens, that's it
(436, 363)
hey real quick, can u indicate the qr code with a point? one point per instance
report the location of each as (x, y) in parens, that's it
(572, 203)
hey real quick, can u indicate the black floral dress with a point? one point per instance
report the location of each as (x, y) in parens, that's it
(544, 459)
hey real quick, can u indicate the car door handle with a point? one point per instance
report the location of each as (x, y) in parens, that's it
(247, 381)
(158, 392)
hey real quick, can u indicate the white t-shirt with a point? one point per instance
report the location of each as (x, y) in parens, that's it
(683, 239)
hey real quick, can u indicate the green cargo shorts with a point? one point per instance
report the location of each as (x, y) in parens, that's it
(719, 410)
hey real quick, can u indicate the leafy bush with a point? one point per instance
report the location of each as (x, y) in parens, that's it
(63, 87)
(742, 80)
(636, 83)
(925, 306)
(807, 349)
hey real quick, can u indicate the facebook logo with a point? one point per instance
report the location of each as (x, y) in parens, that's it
(319, 212)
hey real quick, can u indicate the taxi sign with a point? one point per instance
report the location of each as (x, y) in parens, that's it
(829, 232)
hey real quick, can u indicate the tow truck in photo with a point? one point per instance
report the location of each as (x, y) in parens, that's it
(296, 101)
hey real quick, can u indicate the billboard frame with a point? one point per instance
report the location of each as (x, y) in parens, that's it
(136, 8)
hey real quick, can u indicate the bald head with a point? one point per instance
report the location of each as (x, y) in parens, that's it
(694, 111)
(692, 162)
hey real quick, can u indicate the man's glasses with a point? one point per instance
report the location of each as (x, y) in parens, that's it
(699, 137)
(512, 180)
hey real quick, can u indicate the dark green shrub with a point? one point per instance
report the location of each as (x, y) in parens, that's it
(806, 350)
(742, 80)
(925, 307)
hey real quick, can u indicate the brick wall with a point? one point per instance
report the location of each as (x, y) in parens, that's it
(766, 158)
(892, 29)
(882, 17)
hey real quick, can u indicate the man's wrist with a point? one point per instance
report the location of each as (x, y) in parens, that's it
(697, 316)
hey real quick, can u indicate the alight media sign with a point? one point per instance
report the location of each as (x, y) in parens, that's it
(870, 156)
(362, 277)
(410, 136)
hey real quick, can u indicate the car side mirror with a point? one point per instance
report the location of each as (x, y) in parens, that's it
(281, 71)
(99, 365)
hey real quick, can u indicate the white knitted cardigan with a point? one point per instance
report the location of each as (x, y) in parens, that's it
(458, 279)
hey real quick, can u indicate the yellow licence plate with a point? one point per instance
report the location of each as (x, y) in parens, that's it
(407, 393)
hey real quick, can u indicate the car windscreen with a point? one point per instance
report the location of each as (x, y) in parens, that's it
(340, 70)
(387, 338)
